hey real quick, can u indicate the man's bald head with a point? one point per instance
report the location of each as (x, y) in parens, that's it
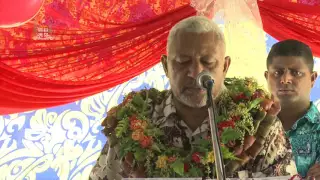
(195, 24)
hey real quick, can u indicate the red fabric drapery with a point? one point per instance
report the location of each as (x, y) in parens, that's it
(75, 53)
(78, 48)
(299, 19)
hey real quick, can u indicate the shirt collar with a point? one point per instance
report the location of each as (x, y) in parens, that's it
(312, 115)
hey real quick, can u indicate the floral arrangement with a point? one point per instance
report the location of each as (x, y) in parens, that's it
(239, 116)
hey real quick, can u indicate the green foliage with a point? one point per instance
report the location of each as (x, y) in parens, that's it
(178, 167)
(227, 154)
(140, 154)
(236, 107)
(122, 127)
(229, 134)
(254, 104)
(138, 102)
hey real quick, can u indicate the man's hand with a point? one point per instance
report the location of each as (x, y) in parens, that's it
(314, 172)
(271, 106)
(251, 147)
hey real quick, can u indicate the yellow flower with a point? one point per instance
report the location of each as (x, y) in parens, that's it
(242, 105)
(162, 162)
(210, 157)
(251, 87)
(144, 125)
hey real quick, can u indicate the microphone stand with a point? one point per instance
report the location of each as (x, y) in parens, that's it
(219, 165)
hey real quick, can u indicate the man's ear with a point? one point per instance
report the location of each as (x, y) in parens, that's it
(227, 62)
(266, 75)
(164, 61)
(314, 76)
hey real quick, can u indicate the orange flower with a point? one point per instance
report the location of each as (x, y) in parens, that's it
(146, 141)
(137, 135)
(138, 124)
(135, 124)
(133, 117)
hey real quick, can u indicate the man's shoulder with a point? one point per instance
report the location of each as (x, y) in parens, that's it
(316, 107)
(313, 114)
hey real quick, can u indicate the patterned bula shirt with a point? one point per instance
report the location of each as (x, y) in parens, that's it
(274, 159)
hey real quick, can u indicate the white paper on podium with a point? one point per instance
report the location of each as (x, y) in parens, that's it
(264, 178)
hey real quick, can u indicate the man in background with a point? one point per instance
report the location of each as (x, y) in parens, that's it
(290, 78)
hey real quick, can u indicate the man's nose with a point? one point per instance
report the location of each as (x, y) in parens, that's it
(286, 78)
(194, 69)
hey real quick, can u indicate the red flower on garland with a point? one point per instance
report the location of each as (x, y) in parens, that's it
(186, 167)
(235, 118)
(138, 124)
(146, 141)
(133, 117)
(226, 124)
(196, 157)
(241, 96)
(258, 94)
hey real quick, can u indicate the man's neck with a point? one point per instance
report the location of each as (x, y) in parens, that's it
(290, 113)
(193, 117)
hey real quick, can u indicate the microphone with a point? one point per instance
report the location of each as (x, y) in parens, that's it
(203, 80)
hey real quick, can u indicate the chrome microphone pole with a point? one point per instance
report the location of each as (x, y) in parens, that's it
(219, 165)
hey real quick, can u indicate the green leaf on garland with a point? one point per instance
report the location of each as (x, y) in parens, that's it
(153, 93)
(247, 93)
(145, 103)
(229, 134)
(178, 167)
(122, 113)
(138, 101)
(254, 103)
(127, 144)
(155, 132)
(220, 118)
(227, 154)
(202, 142)
(155, 147)
(195, 172)
(140, 155)
(122, 127)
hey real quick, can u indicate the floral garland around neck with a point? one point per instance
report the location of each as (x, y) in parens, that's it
(239, 112)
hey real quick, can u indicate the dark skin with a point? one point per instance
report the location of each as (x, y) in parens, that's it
(290, 81)
(190, 54)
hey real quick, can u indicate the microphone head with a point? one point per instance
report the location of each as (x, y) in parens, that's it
(203, 78)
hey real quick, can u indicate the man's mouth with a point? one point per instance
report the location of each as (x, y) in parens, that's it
(195, 90)
(285, 91)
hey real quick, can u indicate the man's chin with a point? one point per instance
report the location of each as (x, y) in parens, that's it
(287, 99)
(194, 103)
